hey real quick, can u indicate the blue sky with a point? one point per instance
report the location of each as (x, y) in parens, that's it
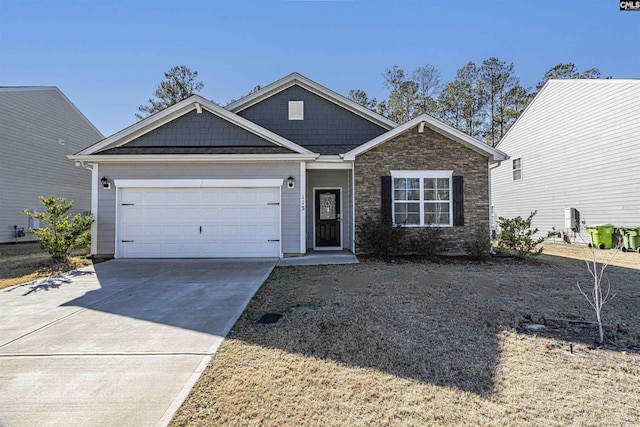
(109, 56)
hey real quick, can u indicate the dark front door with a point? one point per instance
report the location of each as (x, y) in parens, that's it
(327, 206)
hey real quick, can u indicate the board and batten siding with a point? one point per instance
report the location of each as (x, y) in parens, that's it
(320, 178)
(290, 201)
(579, 148)
(33, 162)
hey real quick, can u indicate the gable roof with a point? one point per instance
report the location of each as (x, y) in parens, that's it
(436, 126)
(298, 79)
(194, 102)
(560, 100)
(58, 92)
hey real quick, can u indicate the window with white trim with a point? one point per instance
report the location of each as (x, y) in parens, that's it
(422, 198)
(517, 169)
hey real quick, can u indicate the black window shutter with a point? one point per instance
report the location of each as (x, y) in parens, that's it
(385, 197)
(458, 200)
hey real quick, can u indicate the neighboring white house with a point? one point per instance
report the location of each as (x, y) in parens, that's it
(576, 146)
(39, 127)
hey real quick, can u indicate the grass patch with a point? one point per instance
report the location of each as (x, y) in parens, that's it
(24, 262)
(412, 343)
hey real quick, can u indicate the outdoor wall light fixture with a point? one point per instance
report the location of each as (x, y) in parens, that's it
(105, 183)
(290, 182)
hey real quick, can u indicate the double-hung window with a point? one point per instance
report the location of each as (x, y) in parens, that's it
(422, 198)
(517, 169)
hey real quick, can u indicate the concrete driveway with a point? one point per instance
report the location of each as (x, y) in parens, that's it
(120, 345)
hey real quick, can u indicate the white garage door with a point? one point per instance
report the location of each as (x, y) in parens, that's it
(199, 222)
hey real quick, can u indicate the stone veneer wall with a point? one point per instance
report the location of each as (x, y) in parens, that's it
(426, 151)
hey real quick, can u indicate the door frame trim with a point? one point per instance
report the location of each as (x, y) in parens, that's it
(328, 248)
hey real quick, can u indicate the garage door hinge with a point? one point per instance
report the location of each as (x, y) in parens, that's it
(273, 204)
(126, 241)
(127, 204)
(273, 240)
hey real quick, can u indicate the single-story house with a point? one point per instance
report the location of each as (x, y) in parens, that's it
(39, 128)
(291, 167)
(574, 158)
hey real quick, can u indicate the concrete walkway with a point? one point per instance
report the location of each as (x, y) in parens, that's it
(320, 258)
(120, 345)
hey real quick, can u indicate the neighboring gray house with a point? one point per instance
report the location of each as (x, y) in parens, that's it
(291, 167)
(39, 128)
(575, 149)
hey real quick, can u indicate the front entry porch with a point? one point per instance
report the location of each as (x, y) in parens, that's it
(329, 217)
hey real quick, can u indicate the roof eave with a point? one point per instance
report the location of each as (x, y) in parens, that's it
(194, 102)
(192, 158)
(437, 126)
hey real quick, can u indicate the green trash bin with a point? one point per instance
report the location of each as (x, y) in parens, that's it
(601, 236)
(630, 237)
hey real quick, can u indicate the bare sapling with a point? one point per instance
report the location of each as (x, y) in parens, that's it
(600, 292)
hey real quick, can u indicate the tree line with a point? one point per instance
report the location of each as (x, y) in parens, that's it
(482, 101)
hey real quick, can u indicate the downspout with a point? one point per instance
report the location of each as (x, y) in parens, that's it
(491, 166)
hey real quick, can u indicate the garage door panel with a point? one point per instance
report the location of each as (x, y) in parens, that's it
(200, 222)
(210, 214)
(252, 232)
(178, 214)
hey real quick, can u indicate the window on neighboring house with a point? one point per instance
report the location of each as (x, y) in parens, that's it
(296, 110)
(422, 198)
(517, 169)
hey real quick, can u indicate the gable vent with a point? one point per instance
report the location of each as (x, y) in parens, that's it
(296, 110)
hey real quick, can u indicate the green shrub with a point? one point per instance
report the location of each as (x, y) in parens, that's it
(479, 246)
(64, 232)
(516, 235)
(380, 238)
(428, 242)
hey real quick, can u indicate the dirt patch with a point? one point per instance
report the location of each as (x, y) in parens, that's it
(24, 262)
(417, 343)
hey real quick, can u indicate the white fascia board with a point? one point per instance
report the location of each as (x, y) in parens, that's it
(192, 158)
(456, 135)
(183, 107)
(319, 164)
(437, 126)
(139, 128)
(296, 78)
(351, 155)
(253, 128)
(198, 183)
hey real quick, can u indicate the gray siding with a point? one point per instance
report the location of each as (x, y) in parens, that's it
(332, 179)
(32, 162)
(578, 142)
(290, 202)
(327, 128)
(199, 130)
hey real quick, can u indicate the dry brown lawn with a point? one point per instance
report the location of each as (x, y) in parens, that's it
(24, 262)
(415, 344)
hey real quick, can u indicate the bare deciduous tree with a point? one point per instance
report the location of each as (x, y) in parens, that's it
(600, 293)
